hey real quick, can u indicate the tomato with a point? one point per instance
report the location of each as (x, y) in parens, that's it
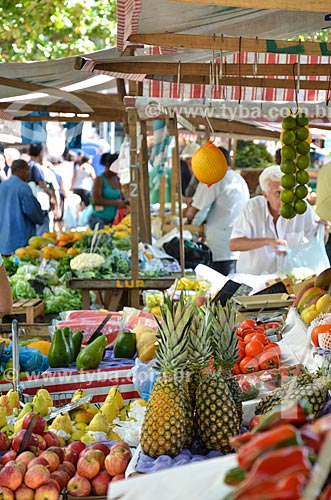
(241, 355)
(253, 348)
(249, 336)
(247, 323)
(236, 369)
(269, 326)
(273, 345)
(269, 359)
(259, 329)
(241, 344)
(317, 330)
(261, 337)
(249, 365)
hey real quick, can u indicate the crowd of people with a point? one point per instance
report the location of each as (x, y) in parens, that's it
(37, 191)
(244, 233)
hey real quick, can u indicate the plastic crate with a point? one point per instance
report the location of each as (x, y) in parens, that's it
(59, 399)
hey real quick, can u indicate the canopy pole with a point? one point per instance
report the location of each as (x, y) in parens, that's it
(145, 215)
(176, 166)
(134, 203)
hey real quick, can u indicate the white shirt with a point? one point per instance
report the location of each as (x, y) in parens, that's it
(83, 179)
(255, 221)
(225, 198)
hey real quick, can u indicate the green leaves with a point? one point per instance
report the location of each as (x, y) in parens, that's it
(34, 30)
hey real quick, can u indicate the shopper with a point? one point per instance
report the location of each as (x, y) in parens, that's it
(260, 229)
(222, 202)
(107, 198)
(6, 299)
(20, 211)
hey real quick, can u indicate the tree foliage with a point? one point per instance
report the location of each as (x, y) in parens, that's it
(33, 30)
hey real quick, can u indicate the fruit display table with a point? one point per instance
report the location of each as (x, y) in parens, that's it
(62, 383)
(112, 290)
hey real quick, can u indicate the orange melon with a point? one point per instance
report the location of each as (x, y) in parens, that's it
(209, 164)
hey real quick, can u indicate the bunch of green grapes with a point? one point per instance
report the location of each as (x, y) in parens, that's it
(295, 156)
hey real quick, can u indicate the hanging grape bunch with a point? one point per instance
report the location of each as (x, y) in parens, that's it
(295, 155)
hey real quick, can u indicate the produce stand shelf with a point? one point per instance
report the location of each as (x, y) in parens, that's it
(30, 307)
(112, 290)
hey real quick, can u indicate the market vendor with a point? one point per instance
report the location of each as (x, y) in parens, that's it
(6, 300)
(260, 229)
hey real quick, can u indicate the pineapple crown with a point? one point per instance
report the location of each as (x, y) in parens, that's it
(224, 337)
(173, 336)
(199, 346)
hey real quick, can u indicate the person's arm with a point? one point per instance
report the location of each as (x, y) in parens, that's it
(6, 299)
(190, 213)
(243, 243)
(99, 200)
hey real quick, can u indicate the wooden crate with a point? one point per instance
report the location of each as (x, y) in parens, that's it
(294, 288)
(31, 308)
(27, 331)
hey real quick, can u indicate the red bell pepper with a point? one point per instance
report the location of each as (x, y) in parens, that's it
(237, 442)
(281, 436)
(286, 488)
(295, 413)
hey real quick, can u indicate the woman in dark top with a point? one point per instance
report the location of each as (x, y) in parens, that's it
(107, 193)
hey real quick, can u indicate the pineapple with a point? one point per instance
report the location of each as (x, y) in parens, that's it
(225, 346)
(168, 423)
(199, 349)
(217, 416)
(311, 387)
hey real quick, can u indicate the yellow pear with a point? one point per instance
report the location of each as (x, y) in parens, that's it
(113, 436)
(62, 441)
(62, 422)
(8, 429)
(110, 410)
(4, 401)
(40, 405)
(80, 393)
(114, 396)
(88, 439)
(46, 396)
(3, 413)
(18, 425)
(13, 398)
(124, 413)
(76, 436)
(140, 402)
(93, 409)
(99, 423)
(80, 426)
(27, 408)
(82, 415)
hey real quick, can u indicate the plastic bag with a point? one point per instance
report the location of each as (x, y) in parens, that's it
(311, 255)
(143, 377)
(195, 253)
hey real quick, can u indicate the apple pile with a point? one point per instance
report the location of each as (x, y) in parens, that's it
(79, 469)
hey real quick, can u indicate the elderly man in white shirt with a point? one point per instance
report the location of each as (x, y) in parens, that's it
(260, 228)
(223, 202)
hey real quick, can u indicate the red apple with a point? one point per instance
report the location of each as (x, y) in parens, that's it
(38, 427)
(24, 493)
(25, 457)
(70, 455)
(18, 438)
(6, 493)
(21, 465)
(56, 484)
(102, 447)
(77, 446)
(52, 458)
(79, 486)
(100, 483)
(121, 447)
(61, 477)
(10, 455)
(11, 476)
(42, 445)
(58, 450)
(46, 492)
(4, 441)
(91, 452)
(88, 466)
(36, 476)
(68, 467)
(35, 450)
(38, 460)
(118, 477)
(51, 439)
(116, 463)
